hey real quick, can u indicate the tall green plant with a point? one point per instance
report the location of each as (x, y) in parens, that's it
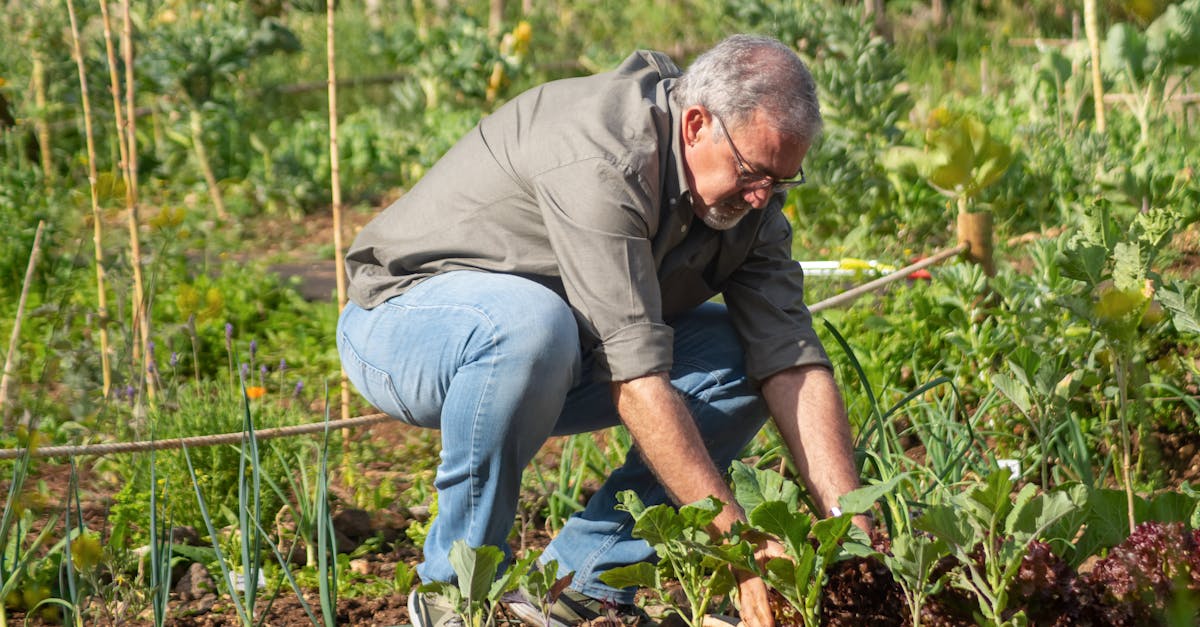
(1116, 268)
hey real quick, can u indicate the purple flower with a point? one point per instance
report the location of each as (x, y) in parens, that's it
(228, 336)
(299, 388)
(174, 359)
(245, 370)
(282, 365)
(253, 349)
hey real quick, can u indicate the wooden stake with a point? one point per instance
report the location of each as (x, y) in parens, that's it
(41, 125)
(975, 230)
(6, 379)
(336, 183)
(97, 219)
(1092, 28)
(141, 305)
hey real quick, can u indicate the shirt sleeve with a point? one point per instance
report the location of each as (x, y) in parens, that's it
(598, 216)
(765, 297)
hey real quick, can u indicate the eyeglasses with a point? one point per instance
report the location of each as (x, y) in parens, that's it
(747, 178)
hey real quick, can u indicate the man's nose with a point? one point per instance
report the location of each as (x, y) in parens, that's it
(757, 198)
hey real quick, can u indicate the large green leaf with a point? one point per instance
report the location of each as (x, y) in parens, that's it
(476, 568)
(659, 524)
(1125, 48)
(753, 486)
(1174, 37)
(639, 575)
(698, 515)
(947, 523)
(1184, 304)
(862, 499)
(787, 524)
(1016, 392)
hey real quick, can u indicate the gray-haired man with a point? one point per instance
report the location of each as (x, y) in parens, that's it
(552, 275)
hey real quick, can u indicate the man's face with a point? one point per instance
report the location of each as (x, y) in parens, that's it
(733, 170)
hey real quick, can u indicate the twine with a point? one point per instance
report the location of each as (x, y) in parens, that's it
(194, 441)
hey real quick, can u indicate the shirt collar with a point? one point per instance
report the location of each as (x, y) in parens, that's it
(676, 185)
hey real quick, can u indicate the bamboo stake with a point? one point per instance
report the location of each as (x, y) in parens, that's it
(336, 183)
(1092, 28)
(6, 379)
(97, 221)
(114, 88)
(41, 125)
(141, 305)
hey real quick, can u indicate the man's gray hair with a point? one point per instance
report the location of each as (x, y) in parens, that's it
(748, 72)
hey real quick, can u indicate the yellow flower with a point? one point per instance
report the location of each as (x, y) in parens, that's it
(255, 391)
(86, 551)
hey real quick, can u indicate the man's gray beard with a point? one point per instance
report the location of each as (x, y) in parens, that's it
(724, 216)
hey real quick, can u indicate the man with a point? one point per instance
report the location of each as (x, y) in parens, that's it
(551, 275)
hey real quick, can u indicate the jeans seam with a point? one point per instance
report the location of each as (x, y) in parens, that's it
(473, 478)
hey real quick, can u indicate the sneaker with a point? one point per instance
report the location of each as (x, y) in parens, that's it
(575, 608)
(429, 609)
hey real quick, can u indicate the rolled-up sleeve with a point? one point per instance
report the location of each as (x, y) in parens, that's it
(598, 215)
(765, 297)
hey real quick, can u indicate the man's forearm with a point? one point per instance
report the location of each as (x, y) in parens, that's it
(811, 417)
(669, 442)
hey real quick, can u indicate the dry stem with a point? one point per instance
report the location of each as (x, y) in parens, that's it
(336, 182)
(141, 315)
(6, 379)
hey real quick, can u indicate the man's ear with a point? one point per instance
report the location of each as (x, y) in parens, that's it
(695, 118)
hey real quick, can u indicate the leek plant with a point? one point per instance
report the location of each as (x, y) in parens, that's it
(159, 555)
(16, 557)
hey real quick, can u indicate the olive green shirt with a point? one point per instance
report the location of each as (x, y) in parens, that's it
(579, 185)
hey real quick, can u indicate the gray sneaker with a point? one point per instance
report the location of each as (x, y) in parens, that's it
(575, 608)
(429, 609)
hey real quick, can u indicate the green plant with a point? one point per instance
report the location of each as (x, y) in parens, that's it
(800, 576)
(959, 159)
(19, 585)
(478, 589)
(1115, 267)
(687, 553)
(1146, 61)
(543, 586)
(989, 533)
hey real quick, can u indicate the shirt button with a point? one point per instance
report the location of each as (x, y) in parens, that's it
(683, 228)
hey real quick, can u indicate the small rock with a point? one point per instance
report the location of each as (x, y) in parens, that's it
(360, 566)
(185, 535)
(195, 583)
(354, 523)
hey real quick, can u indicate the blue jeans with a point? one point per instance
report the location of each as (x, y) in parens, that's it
(494, 362)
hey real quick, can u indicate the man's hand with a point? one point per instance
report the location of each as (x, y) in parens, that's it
(752, 591)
